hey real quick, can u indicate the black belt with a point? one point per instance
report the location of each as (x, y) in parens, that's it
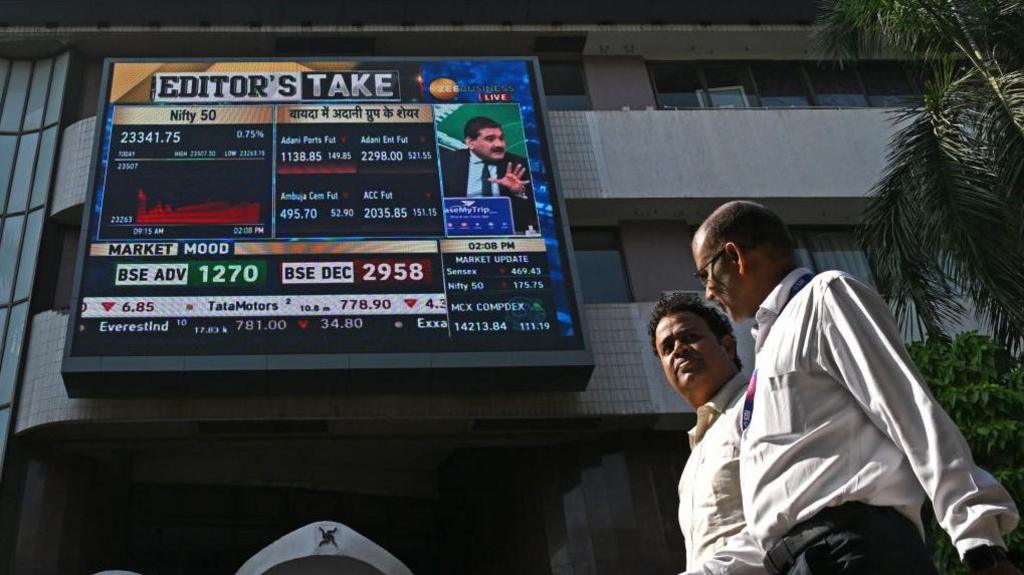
(782, 556)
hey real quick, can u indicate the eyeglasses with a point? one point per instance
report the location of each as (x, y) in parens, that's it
(702, 275)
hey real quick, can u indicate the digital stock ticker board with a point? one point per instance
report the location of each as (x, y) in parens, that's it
(295, 221)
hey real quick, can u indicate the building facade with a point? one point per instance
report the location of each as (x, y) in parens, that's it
(659, 112)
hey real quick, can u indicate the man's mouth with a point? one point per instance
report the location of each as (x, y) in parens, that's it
(687, 365)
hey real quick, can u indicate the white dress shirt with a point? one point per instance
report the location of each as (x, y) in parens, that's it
(476, 168)
(710, 505)
(841, 414)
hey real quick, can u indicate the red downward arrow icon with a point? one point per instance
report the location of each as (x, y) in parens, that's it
(107, 305)
(410, 302)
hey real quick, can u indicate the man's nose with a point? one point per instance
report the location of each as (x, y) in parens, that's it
(709, 294)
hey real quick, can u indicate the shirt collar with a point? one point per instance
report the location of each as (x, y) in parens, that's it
(721, 400)
(474, 160)
(772, 305)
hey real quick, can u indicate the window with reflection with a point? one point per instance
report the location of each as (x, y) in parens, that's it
(29, 251)
(601, 271)
(565, 87)
(677, 85)
(10, 247)
(823, 249)
(15, 94)
(11, 356)
(728, 86)
(887, 84)
(836, 86)
(780, 85)
(8, 147)
(21, 183)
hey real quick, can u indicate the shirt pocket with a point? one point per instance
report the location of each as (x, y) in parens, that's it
(724, 470)
(778, 407)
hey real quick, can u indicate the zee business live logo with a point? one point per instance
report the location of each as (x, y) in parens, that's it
(447, 89)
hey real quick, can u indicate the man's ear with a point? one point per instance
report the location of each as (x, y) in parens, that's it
(729, 343)
(738, 255)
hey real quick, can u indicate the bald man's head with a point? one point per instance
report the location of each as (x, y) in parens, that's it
(741, 252)
(748, 224)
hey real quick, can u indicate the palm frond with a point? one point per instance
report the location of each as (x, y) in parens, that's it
(957, 237)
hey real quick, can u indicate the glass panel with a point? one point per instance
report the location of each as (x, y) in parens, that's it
(886, 84)
(29, 249)
(838, 251)
(677, 85)
(10, 244)
(44, 167)
(22, 181)
(53, 104)
(12, 351)
(3, 321)
(5, 418)
(8, 145)
(602, 277)
(17, 91)
(37, 95)
(729, 87)
(780, 86)
(563, 78)
(835, 87)
(567, 102)
(4, 66)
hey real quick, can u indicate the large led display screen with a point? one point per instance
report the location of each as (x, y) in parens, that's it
(342, 211)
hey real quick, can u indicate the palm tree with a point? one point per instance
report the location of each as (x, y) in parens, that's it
(945, 224)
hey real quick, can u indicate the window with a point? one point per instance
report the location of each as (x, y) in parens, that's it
(29, 251)
(886, 84)
(836, 87)
(564, 85)
(10, 247)
(677, 85)
(14, 100)
(11, 356)
(600, 269)
(37, 95)
(824, 249)
(8, 146)
(44, 167)
(21, 184)
(728, 87)
(780, 85)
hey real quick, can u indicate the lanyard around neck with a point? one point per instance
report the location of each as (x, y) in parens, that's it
(748, 401)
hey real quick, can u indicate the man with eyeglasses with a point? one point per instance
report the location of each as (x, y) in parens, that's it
(697, 351)
(841, 440)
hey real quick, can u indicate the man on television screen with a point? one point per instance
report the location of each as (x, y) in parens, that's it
(486, 169)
